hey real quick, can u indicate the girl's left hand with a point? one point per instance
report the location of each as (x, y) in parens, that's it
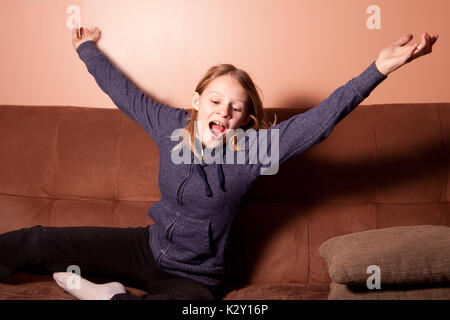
(398, 53)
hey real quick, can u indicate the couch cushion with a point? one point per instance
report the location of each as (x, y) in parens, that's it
(279, 291)
(405, 255)
(25, 286)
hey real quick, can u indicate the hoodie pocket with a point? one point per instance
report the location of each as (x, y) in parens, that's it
(190, 240)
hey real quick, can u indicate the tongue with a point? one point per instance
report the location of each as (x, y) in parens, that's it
(217, 128)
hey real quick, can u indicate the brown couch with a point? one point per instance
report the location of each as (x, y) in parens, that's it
(383, 165)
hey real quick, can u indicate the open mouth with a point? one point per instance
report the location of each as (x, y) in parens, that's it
(217, 128)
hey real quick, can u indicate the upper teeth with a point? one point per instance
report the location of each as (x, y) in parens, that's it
(218, 123)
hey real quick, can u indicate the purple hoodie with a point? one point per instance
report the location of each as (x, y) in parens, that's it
(199, 201)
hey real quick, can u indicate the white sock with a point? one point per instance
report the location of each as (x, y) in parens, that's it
(86, 290)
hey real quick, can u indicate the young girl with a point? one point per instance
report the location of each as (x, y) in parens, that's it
(182, 255)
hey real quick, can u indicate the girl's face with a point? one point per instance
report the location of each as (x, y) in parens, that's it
(223, 101)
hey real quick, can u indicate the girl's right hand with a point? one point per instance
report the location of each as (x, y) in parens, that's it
(83, 34)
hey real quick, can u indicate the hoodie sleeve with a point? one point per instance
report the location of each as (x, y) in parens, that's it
(298, 133)
(151, 115)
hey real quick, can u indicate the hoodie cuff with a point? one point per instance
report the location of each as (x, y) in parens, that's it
(87, 50)
(368, 80)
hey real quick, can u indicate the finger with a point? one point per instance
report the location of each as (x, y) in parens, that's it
(419, 51)
(422, 45)
(87, 31)
(427, 41)
(428, 50)
(410, 54)
(428, 44)
(75, 34)
(434, 39)
(403, 40)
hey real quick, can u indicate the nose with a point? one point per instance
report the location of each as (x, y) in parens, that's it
(225, 111)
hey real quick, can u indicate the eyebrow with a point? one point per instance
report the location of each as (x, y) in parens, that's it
(222, 95)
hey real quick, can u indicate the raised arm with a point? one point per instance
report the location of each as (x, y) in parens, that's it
(154, 117)
(302, 131)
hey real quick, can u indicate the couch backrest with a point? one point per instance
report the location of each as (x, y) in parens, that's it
(382, 166)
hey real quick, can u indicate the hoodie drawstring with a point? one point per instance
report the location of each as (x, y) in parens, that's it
(220, 175)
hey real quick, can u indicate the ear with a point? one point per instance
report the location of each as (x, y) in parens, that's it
(196, 101)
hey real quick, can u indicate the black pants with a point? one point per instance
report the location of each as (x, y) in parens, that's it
(119, 254)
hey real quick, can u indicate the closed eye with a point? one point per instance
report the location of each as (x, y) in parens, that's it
(234, 108)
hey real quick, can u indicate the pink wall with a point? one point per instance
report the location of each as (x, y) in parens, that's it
(297, 51)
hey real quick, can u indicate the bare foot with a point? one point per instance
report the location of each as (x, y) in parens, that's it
(86, 290)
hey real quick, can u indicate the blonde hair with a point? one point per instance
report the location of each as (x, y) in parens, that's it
(255, 108)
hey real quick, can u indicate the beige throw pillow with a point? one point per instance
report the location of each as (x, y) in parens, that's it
(404, 255)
